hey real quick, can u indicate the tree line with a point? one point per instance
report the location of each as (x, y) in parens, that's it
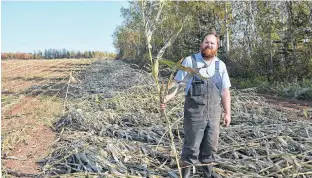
(57, 54)
(271, 40)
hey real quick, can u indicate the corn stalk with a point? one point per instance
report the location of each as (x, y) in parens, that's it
(163, 93)
(149, 29)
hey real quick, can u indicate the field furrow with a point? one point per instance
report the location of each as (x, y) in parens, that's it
(31, 99)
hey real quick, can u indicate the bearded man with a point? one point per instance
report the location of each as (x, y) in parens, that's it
(202, 108)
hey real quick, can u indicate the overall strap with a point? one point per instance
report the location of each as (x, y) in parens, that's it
(217, 65)
(194, 61)
(217, 73)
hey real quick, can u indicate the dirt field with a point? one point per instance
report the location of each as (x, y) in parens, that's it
(115, 124)
(32, 93)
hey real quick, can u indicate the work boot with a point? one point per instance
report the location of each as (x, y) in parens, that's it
(208, 172)
(186, 172)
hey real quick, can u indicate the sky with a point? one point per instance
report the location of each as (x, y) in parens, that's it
(38, 25)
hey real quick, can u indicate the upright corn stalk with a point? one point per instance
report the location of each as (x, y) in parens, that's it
(149, 29)
(164, 92)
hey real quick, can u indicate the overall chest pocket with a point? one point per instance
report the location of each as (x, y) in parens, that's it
(198, 88)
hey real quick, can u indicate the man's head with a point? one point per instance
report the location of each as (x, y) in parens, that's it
(209, 45)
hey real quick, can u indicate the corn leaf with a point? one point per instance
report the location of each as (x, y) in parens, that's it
(179, 66)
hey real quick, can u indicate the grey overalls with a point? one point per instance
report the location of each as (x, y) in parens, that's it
(202, 112)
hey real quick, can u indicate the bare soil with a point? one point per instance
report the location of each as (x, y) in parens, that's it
(298, 106)
(28, 108)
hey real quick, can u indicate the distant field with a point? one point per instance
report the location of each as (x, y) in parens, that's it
(22, 78)
(32, 93)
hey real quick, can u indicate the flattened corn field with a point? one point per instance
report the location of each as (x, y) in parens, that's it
(103, 120)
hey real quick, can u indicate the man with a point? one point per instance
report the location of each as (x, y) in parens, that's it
(202, 108)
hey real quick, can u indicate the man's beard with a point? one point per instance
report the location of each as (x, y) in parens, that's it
(208, 53)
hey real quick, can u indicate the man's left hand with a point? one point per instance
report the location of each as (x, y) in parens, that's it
(227, 120)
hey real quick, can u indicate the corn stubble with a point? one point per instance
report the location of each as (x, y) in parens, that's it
(113, 128)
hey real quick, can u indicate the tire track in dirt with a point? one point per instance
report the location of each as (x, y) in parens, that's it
(41, 136)
(22, 102)
(27, 74)
(25, 68)
(27, 100)
(41, 82)
(6, 64)
(288, 102)
(298, 106)
(24, 85)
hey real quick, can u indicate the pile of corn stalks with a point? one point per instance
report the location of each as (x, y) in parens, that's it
(114, 129)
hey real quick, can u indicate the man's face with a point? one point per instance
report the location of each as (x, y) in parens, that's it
(209, 46)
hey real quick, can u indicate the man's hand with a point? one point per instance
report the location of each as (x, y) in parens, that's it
(227, 120)
(173, 86)
(226, 102)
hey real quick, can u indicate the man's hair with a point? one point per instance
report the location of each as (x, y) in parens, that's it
(212, 32)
